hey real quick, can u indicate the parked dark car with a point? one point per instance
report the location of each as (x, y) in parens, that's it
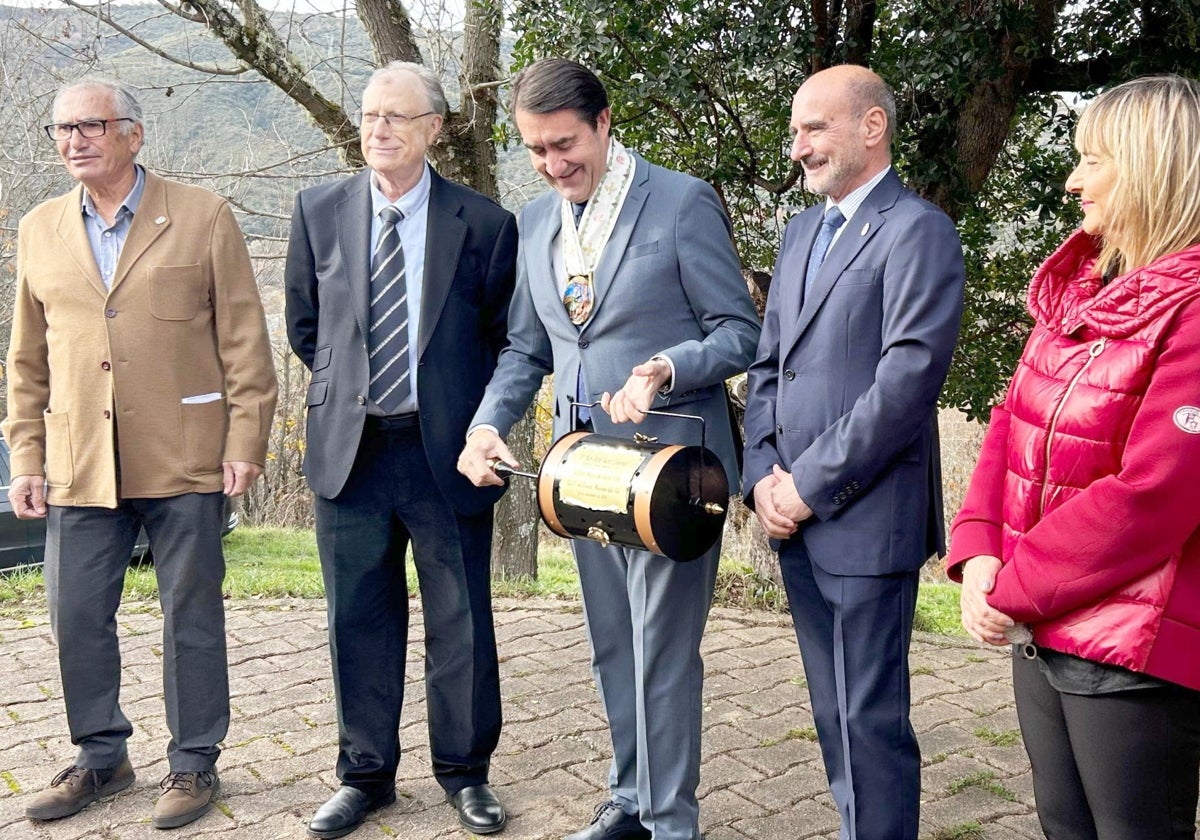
(23, 541)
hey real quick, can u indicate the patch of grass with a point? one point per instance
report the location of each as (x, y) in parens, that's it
(984, 780)
(283, 563)
(992, 737)
(803, 733)
(937, 609)
(963, 831)
(557, 577)
(920, 671)
(738, 585)
(11, 781)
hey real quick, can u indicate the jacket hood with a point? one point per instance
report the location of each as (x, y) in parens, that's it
(1065, 295)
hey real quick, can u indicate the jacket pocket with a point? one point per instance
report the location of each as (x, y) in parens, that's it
(60, 461)
(316, 393)
(321, 357)
(204, 426)
(176, 291)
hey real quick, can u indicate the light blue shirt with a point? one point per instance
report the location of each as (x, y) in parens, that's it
(850, 204)
(107, 241)
(414, 204)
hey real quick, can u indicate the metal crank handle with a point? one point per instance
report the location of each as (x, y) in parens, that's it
(504, 470)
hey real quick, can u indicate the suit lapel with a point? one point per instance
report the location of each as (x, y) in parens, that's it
(73, 234)
(793, 266)
(149, 222)
(614, 251)
(857, 233)
(445, 233)
(353, 215)
(543, 283)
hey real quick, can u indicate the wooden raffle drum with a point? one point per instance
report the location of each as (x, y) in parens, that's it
(665, 498)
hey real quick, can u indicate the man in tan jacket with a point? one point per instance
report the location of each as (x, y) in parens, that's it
(140, 394)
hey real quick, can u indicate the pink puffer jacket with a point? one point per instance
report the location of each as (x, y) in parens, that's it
(1088, 483)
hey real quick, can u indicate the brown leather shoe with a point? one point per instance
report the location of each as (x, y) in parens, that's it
(75, 788)
(186, 797)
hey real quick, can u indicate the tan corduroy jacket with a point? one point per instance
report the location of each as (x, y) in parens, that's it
(182, 322)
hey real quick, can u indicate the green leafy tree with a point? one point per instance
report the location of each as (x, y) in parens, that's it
(984, 89)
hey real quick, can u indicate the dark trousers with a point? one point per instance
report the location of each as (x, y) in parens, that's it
(390, 500)
(854, 634)
(1121, 766)
(87, 553)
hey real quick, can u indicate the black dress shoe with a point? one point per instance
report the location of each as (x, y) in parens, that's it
(345, 810)
(611, 823)
(479, 809)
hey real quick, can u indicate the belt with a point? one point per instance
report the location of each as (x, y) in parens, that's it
(393, 422)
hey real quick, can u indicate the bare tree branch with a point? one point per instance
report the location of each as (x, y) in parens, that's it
(104, 17)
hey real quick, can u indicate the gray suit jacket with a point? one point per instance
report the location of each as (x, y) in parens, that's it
(669, 283)
(844, 389)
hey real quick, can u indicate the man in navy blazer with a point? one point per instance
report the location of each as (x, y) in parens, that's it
(841, 462)
(382, 465)
(667, 317)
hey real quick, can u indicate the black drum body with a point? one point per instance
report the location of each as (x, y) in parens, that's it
(667, 499)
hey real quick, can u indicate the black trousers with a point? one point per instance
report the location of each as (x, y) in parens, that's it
(87, 553)
(390, 500)
(1121, 766)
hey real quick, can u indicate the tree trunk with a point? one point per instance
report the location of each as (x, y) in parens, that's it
(390, 31)
(514, 539)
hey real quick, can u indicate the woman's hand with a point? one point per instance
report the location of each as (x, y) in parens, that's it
(984, 623)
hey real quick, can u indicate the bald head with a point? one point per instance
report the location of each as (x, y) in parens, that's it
(842, 123)
(863, 90)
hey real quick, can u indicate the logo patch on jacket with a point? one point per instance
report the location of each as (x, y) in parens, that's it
(1187, 418)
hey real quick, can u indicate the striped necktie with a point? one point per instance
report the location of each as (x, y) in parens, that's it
(388, 340)
(829, 226)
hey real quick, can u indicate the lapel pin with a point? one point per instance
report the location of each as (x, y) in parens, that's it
(160, 220)
(866, 227)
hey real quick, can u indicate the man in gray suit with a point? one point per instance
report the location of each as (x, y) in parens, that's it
(841, 436)
(630, 293)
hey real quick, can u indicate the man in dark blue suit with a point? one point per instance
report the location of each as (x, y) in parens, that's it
(398, 284)
(842, 463)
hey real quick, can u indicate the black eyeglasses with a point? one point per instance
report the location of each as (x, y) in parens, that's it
(392, 120)
(88, 128)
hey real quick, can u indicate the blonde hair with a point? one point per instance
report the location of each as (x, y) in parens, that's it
(1150, 129)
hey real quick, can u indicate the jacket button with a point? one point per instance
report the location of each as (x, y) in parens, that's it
(110, 313)
(779, 430)
(360, 399)
(583, 343)
(107, 414)
(105, 366)
(789, 374)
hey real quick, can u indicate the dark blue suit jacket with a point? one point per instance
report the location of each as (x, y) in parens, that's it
(470, 259)
(843, 391)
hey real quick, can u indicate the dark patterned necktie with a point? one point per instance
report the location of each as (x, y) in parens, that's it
(829, 226)
(388, 341)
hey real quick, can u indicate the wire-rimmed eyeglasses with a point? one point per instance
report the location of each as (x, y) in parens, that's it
(392, 120)
(87, 128)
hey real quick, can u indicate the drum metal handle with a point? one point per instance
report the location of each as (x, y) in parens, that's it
(575, 406)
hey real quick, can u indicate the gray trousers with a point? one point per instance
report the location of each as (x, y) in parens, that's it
(645, 617)
(87, 553)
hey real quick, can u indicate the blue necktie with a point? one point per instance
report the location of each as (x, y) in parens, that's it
(829, 226)
(389, 317)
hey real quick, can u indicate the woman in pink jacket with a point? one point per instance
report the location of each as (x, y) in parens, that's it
(1080, 535)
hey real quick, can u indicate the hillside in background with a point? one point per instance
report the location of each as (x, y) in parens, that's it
(238, 135)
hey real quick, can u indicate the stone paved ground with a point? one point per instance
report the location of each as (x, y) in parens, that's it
(762, 777)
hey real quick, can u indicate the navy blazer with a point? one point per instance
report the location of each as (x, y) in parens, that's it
(470, 259)
(843, 391)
